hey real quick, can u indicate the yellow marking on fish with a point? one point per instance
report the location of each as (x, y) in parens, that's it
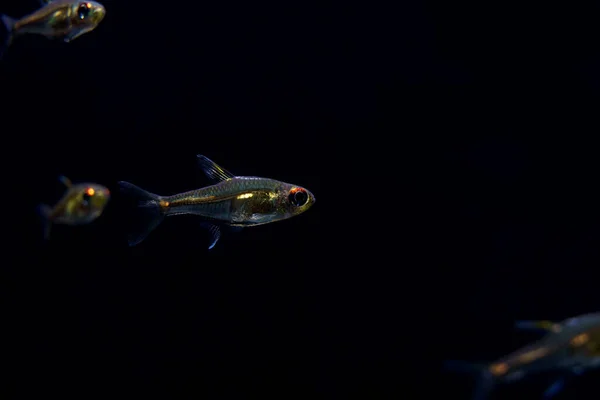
(191, 200)
(164, 203)
(499, 369)
(580, 340)
(533, 355)
(245, 196)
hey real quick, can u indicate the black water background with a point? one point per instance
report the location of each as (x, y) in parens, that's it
(452, 149)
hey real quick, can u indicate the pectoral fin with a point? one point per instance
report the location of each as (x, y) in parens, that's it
(74, 35)
(214, 231)
(212, 170)
(544, 326)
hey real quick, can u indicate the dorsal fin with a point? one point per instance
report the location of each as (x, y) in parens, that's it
(543, 326)
(44, 2)
(212, 170)
(65, 181)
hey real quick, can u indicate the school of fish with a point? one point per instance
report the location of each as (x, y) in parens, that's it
(233, 202)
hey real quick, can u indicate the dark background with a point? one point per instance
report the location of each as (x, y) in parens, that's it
(452, 149)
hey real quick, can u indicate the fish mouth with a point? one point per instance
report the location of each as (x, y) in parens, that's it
(98, 13)
(311, 198)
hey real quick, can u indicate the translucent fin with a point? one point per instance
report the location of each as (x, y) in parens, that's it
(73, 35)
(212, 170)
(215, 233)
(485, 384)
(65, 181)
(9, 23)
(544, 326)
(554, 389)
(44, 212)
(148, 204)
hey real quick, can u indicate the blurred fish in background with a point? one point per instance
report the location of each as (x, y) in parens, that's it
(58, 19)
(81, 204)
(571, 346)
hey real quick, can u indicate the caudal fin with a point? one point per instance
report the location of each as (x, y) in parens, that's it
(44, 212)
(485, 380)
(9, 23)
(148, 205)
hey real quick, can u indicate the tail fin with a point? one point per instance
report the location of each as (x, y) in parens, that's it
(485, 384)
(44, 212)
(9, 23)
(149, 206)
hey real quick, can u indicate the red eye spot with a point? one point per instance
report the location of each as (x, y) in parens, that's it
(296, 190)
(90, 191)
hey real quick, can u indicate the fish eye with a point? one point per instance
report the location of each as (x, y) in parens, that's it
(298, 197)
(83, 10)
(87, 195)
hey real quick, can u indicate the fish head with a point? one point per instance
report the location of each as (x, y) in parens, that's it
(92, 199)
(88, 14)
(295, 200)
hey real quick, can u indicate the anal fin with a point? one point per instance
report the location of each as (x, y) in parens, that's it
(214, 231)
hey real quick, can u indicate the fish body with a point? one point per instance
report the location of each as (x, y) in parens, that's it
(62, 19)
(81, 204)
(571, 346)
(239, 201)
(235, 201)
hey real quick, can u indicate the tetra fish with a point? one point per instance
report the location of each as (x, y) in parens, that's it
(62, 19)
(81, 204)
(571, 346)
(234, 201)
